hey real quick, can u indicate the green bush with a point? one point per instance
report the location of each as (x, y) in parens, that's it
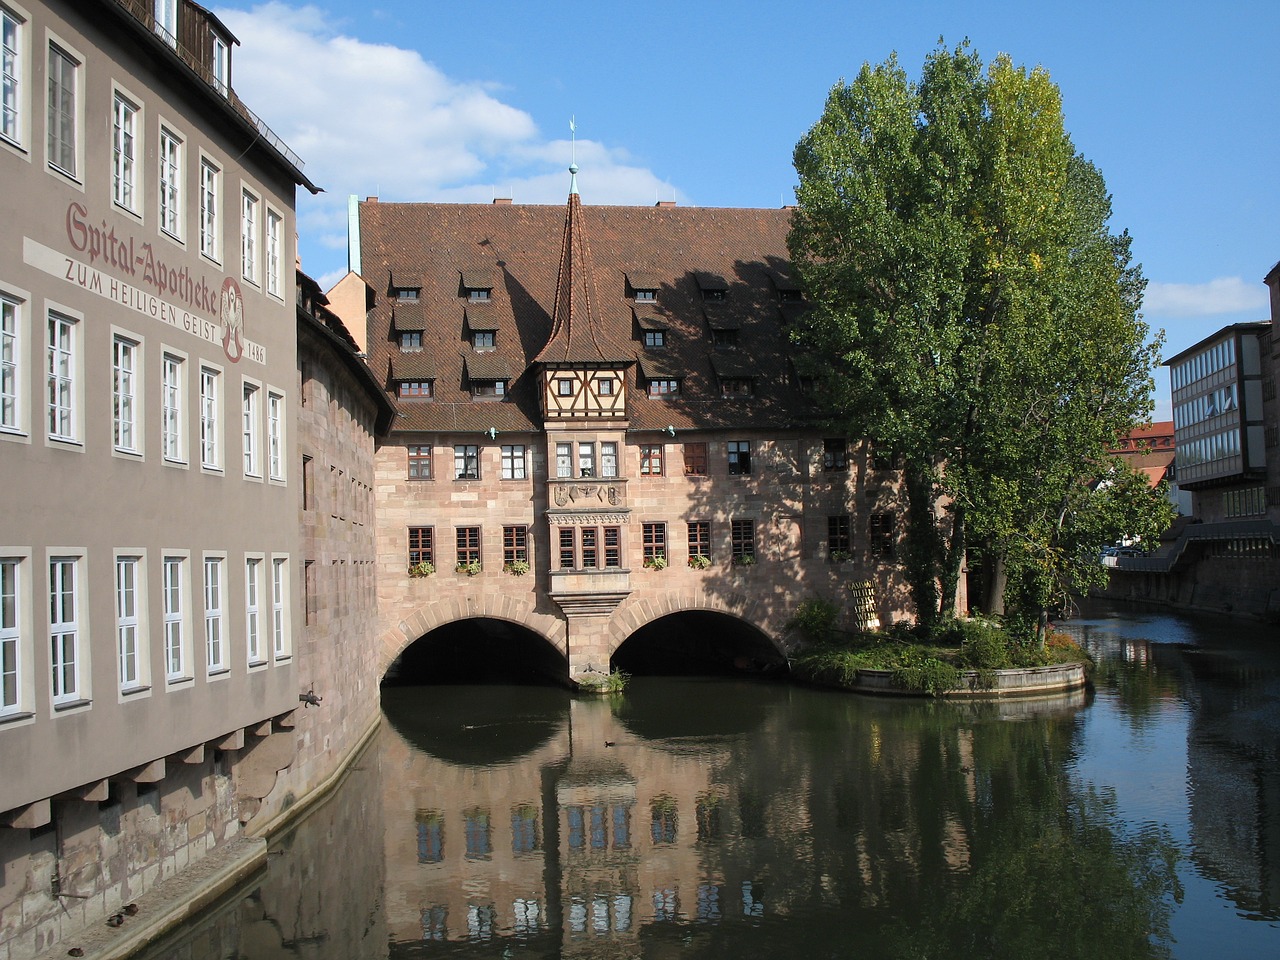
(814, 619)
(930, 675)
(984, 645)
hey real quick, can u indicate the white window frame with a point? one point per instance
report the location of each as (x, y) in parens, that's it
(281, 641)
(14, 75)
(210, 214)
(166, 21)
(564, 460)
(64, 113)
(67, 642)
(221, 64)
(210, 418)
(609, 459)
(170, 156)
(126, 122)
(177, 646)
(214, 584)
(126, 394)
(587, 465)
(251, 428)
(13, 361)
(275, 253)
(63, 376)
(173, 407)
(513, 462)
(276, 426)
(15, 625)
(250, 215)
(131, 625)
(253, 609)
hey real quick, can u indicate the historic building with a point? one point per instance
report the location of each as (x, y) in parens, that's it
(156, 631)
(599, 424)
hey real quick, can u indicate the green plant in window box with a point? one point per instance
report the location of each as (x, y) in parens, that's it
(744, 560)
(423, 569)
(841, 556)
(656, 562)
(469, 567)
(517, 568)
(699, 562)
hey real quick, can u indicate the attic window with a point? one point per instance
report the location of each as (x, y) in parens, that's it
(646, 295)
(736, 387)
(489, 389)
(790, 296)
(415, 390)
(483, 340)
(411, 341)
(478, 294)
(667, 387)
(724, 338)
(406, 293)
(655, 339)
(712, 295)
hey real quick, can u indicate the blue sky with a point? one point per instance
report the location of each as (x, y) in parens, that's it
(703, 103)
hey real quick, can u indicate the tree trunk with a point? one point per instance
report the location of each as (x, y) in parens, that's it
(997, 580)
(923, 550)
(954, 561)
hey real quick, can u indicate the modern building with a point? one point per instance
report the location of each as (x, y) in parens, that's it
(600, 425)
(166, 391)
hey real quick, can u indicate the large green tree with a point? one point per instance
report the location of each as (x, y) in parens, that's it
(974, 312)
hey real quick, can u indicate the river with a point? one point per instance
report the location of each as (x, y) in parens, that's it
(727, 818)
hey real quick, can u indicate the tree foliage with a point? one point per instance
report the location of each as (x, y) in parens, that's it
(974, 312)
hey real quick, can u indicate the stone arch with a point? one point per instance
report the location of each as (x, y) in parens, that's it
(634, 613)
(437, 613)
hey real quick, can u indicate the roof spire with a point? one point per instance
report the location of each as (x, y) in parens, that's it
(573, 156)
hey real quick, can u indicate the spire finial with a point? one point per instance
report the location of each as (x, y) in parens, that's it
(573, 156)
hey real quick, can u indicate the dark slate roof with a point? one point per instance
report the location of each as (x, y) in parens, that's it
(524, 246)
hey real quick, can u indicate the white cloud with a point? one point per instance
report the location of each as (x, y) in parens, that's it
(1222, 295)
(380, 120)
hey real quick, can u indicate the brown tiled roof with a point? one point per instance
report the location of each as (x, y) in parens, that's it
(710, 281)
(483, 316)
(523, 246)
(408, 317)
(492, 365)
(642, 281)
(647, 319)
(412, 366)
(733, 366)
(658, 368)
(724, 315)
(480, 278)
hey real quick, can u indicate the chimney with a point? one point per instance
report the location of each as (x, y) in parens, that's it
(665, 203)
(502, 201)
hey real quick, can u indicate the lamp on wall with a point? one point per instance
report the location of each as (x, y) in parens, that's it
(669, 430)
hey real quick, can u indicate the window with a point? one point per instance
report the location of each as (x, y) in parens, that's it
(415, 389)
(252, 611)
(421, 546)
(839, 539)
(128, 634)
(586, 459)
(467, 542)
(724, 339)
(714, 296)
(406, 294)
(175, 654)
(695, 459)
(651, 460)
(11, 114)
(835, 455)
(249, 236)
(172, 388)
(280, 644)
(609, 459)
(419, 461)
(736, 387)
(513, 462)
(655, 339)
(605, 386)
(221, 64)
(654, 542)
(489, 388)
(524, 839)
(12, 354)
(881, 534)
(643, 296)
(170, 183)
(275, 254)
(564, 460)
(124, 137)
(167, 21)
(249, 429)
(515, 544)
(664, 388)
(210, 445)
(478, 294)
(275, 436)
(124, 394)
(484, 340)
(11, 612)
(699, 539)
(64, 629)
(743, 539)
(600, 546)
(564, 387)
(64, 120)
(210, 185)
(739, 457)
(466, 462)
(63, 370)
(215, 646)
(411, 341)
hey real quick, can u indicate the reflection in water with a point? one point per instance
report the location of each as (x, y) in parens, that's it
(726, 818)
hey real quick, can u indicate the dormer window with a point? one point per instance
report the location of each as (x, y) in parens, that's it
(477, 294)
(713, 296)
(406, 294)
(735, 387)
(488, 389)
(415, 390)
(167, 21)
(411, 341)
(655, 339)
(724, 339)
(712, 286)
(664, 388)
(483, 339)
(221, 64)
(646, 296)
(790, 296)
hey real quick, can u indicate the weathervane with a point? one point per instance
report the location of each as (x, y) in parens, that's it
(573, 155)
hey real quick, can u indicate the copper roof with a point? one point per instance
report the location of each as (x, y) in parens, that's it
(527, 248)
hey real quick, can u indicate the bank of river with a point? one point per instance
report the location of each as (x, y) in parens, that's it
(727, 818)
